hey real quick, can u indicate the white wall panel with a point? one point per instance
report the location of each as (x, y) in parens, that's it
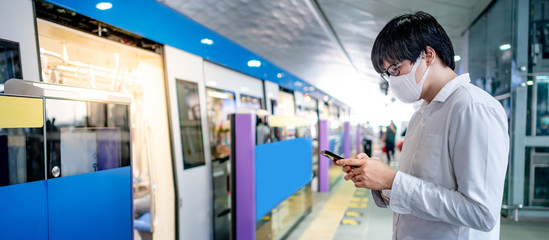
(17, 25)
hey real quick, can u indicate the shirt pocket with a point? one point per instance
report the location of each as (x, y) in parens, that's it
(428, 160)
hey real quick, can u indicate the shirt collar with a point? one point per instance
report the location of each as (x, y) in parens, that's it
(451, 87)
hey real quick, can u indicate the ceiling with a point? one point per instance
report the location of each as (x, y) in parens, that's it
(324, 42)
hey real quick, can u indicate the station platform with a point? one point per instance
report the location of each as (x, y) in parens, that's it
(350, 213)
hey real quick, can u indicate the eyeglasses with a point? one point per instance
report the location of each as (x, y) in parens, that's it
(392, 70)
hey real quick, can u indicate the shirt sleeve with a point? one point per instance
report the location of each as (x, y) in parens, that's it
(478, 145)
(382, 199)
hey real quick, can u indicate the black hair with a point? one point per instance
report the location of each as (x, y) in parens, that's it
(406, 36)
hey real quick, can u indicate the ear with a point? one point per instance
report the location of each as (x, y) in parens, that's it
(430, 55)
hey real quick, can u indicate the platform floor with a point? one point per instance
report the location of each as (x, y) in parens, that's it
(350, 213)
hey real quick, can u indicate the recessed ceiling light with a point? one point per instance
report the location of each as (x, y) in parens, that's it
(104, 6)
(254, 63)
(207, 41)
(505, 47)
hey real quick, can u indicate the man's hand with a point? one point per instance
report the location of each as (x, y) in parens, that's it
(369, 173)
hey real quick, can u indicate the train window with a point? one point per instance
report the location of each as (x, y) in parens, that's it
(85, 137)
(286, 105)
(250, 102)
(220, 105)
(21, 144)
(10, 62)
(190, 124)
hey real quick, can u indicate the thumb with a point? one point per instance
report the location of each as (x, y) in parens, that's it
(361, 156)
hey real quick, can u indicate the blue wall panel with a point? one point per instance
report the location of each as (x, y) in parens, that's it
(281, 169)
(23, 211)
(94, 205)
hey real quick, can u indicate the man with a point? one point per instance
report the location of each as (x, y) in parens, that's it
(449, 183)
(389, 136)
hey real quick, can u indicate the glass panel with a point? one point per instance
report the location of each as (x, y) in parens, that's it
(541, 185)
(490, 51)
(220, 104)
(21, 155)
(85, 137)
(10, 62)
(75, 58)
(190, 124)
(542, 106)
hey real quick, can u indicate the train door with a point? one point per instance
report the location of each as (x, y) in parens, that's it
(118, 61)
(187, 96)
(227, 92)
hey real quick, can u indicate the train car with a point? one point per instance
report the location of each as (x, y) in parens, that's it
(180, 104)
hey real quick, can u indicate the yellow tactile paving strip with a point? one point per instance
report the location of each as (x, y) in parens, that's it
(329, 217)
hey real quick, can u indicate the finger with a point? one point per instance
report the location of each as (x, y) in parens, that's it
(350, 162)
(346, 169)
(361, 156)
(348, 176)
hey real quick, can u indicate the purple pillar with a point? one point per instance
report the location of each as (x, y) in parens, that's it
(244, 175)
(346, 141)
(358, 139)
(323, 162)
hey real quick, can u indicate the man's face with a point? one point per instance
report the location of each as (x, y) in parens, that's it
(399, 68)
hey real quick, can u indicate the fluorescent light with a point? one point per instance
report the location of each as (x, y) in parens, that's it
(505, 47)
(207, 41)
(219, 95)
(457, 58)
(530, 83)
(254, 63)
(104, 6)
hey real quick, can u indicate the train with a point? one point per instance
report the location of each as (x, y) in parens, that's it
(182, 89)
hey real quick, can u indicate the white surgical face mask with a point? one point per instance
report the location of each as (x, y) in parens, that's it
(405, 87)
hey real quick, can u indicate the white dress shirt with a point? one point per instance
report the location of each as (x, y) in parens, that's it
(450, 178)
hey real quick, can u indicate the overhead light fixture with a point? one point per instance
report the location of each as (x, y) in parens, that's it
(530, 83)
(219, 95)
(104, 6)
(207, 41)
(505, 47)
(280, 75)
(254, 63)
(326, 98)
(457, 58)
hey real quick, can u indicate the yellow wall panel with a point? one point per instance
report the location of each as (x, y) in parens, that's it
(21, 112)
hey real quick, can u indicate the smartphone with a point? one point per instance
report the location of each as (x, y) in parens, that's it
(334, 157)
(330, 155)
